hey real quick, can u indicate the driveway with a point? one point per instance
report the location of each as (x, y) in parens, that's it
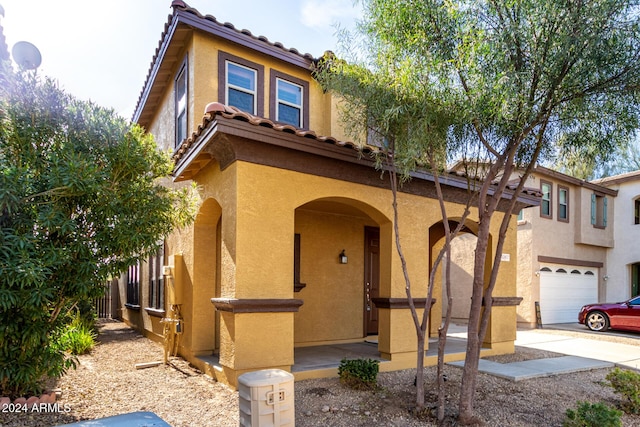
(573, 339)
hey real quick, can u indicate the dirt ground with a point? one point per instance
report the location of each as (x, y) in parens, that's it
(107, 383)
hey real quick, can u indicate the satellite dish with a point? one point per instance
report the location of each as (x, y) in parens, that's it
(26, 55)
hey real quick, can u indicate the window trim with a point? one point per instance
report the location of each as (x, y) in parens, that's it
(550, 200)
(560, 189)
(223, 58)
(273, 96)
(182, 70)
(595, 210)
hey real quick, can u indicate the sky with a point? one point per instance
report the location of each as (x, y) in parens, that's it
(101, 50)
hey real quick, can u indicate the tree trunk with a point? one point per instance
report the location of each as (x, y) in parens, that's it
(474, 340)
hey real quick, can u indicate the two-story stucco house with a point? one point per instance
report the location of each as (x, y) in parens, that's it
(623, 259)
(293, 244)
(563, 246)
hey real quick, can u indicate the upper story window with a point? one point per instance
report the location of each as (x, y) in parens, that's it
(180, 88)
(599, 210)
(241, 84)
(289, 100)
(636, 214)
(563, 204)
(241, 87)
(545, 204)
(521, 215)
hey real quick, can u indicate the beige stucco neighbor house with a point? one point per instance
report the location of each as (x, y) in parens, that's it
(623, 259)
(563, 246)
(293, 244)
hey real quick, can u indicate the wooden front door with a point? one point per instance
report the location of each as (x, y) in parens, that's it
(371, 278)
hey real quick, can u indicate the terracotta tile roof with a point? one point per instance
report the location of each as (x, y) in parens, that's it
(181, 5)
(214, 109)
(186, 15)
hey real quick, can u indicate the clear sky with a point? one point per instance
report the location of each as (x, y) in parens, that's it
(102, 49)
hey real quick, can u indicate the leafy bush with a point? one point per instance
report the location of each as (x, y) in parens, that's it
(626, 383)
(592, 415)
(78, 337)
(80, 201)
(360, 374)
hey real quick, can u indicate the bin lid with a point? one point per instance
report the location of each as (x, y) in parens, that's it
(265, 377)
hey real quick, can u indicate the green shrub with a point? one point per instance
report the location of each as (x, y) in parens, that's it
(360, 374)
(626, 383)
(78, 337)
(592, 415)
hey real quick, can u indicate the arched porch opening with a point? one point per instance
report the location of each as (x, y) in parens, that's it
(202, 320)
(342, 261)
(462, 266)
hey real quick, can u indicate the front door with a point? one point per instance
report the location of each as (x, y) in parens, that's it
(371, 278)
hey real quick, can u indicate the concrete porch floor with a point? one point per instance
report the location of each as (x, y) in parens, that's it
(319, 361)
(329, 356)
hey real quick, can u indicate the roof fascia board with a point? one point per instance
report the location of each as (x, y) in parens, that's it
(575, 181)
(249, 131)
(154, 71)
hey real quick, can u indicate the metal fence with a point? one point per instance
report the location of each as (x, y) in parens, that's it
(106, 304)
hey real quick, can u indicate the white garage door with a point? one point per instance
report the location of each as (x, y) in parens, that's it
(563, 290)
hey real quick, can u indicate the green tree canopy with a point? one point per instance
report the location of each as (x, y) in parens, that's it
(507, 83)
(80, 200)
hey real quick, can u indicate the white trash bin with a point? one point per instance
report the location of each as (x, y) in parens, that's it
(266, 399)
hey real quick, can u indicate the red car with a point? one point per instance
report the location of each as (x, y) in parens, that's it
(620, 315)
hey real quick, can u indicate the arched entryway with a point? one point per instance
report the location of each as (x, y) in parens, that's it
(341, 264)
(462, 265)
(207, 254)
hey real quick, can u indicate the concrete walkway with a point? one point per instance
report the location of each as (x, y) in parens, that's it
(580, 354)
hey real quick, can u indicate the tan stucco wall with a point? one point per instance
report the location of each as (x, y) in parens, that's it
(576, 240)
(241, 245)
(331, 287)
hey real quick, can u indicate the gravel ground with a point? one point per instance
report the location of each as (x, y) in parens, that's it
(107, 383)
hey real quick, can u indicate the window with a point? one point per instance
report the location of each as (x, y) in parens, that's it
(289, 100)
(598, 210)
(156, 279)
(133, 286)
(521, 215)
(563, 204)
(636, 214)
(545, 204)
(181, 104)
(241, 83)
(241, 87)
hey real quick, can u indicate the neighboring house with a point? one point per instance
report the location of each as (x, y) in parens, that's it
(623, 259)
(563, 246)
(293, 243)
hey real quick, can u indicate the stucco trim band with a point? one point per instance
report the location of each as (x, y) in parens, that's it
(567, 261)
(504, 301)
(233, 305)
(394, 303)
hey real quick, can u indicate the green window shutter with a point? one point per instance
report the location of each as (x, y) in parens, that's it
(604, 213)
(593, 209)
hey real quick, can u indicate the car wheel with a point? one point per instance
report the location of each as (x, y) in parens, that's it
(597, 321)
